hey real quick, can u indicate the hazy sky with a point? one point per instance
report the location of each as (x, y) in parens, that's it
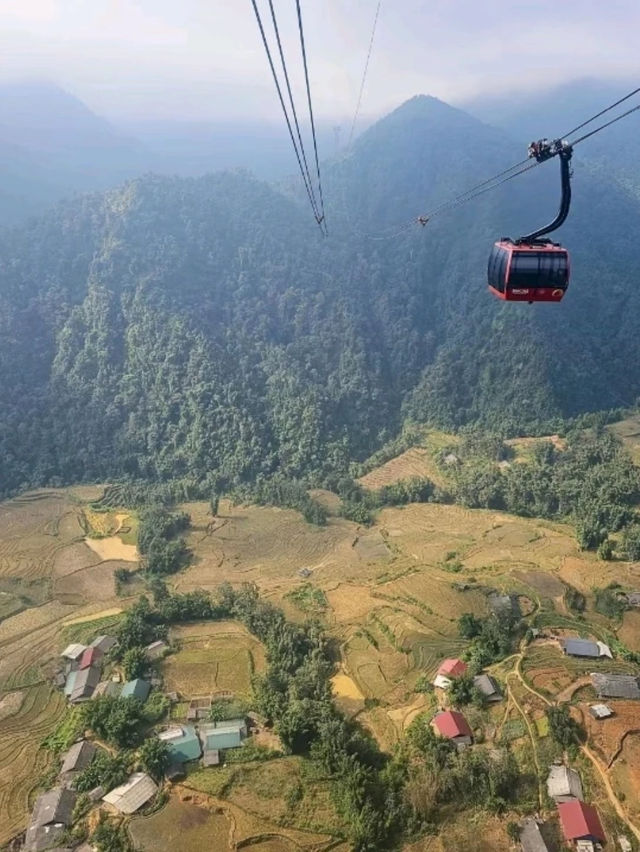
(202, 59)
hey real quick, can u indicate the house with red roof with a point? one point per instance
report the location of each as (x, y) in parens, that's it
(449, 669)
(453, 726)
(90, 657)
(581, 824)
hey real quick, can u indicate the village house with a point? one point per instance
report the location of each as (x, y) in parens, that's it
(104, 643)
(137, 688)
(51, 815)
(132, 795)
(90, 657)
(156, 650)
(581, 825)
(586, 648)
(531, 839)
(453, 726)
(600, 711)
(76, 760)
(84, 682)
(217, 736)
(564, 785)
(182, 743)
(107, 688)
(73, 652)
(449, 669)
(615, 686)
(485, 684)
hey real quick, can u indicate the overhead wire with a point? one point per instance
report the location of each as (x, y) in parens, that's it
(504, 176)
(607, 124)
(598, 114)
(319, 217)
(276, 30)
(321, 221)
(364, 74)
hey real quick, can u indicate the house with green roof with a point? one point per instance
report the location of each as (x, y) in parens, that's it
(137, 688)
(182, 742)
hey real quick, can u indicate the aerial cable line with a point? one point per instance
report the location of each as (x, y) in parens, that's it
(293, 107)
(598, 114)
(364, 75)
(318, 218)
(607, 124)
(495, 181)
(321, 219)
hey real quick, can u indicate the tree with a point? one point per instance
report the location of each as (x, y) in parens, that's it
(154, 757)
(605, 550)
(134, 662)
(214, 503)
(469, 625)
(109, 836)
(563, 727)
(115, 719)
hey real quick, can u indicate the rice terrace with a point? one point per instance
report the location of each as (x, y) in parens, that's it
(391, 609)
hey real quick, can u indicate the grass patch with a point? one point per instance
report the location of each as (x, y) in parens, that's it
(85, 631)
(66, 732)
(513, 729)
(542, 726)
(308, 598)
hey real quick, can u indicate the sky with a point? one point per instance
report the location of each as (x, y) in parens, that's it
(204, 60)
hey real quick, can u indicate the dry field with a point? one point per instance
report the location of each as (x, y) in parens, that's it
(44, 564)
(212, 658)
(182, 827)
(628, 431)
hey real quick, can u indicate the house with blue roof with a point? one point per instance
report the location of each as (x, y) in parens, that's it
(183, 744)
(218, 736)
(137, 688)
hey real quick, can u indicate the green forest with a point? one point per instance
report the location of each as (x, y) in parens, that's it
(200, 331)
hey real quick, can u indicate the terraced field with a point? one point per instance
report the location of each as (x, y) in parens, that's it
(21, 758)
(213, 658)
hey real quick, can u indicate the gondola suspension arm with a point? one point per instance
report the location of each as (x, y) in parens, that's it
(564, 151)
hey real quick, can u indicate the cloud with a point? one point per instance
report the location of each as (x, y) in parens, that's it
(203, 59)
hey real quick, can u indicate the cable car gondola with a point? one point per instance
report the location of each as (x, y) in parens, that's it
(533, 269)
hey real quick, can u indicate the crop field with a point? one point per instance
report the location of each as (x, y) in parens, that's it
(21, 758)
(212, 658)
(182, 827)
(257, 797)
(417, 461)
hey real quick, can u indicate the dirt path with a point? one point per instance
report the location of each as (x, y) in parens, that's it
(532, 737)
(602, 771)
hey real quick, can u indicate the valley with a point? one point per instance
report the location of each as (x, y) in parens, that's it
(389, 596)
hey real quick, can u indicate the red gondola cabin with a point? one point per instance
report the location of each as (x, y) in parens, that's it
(528, 272)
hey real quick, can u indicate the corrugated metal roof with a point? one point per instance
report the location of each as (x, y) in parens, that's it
(104, 643)
(600, 711)
(581, 648)
(563, 783)
(79, 757)
(221, 738)
(615, 686)
(55, 806)
(184, 747)
(452, 667)
(73, 651)
(130, 797)
(451, 724)
(70, 683)
(531, 839)
(89, 657)
(137, 688)
(85, 682)
(579, 821)
(487, 685)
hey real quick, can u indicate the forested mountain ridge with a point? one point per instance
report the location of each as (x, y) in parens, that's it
(194, 328)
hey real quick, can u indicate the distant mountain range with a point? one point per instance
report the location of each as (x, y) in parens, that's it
(200, 328)
(52, 146)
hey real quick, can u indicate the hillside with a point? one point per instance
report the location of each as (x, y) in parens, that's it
(389, 598)
(52, 146)
(198, 329)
